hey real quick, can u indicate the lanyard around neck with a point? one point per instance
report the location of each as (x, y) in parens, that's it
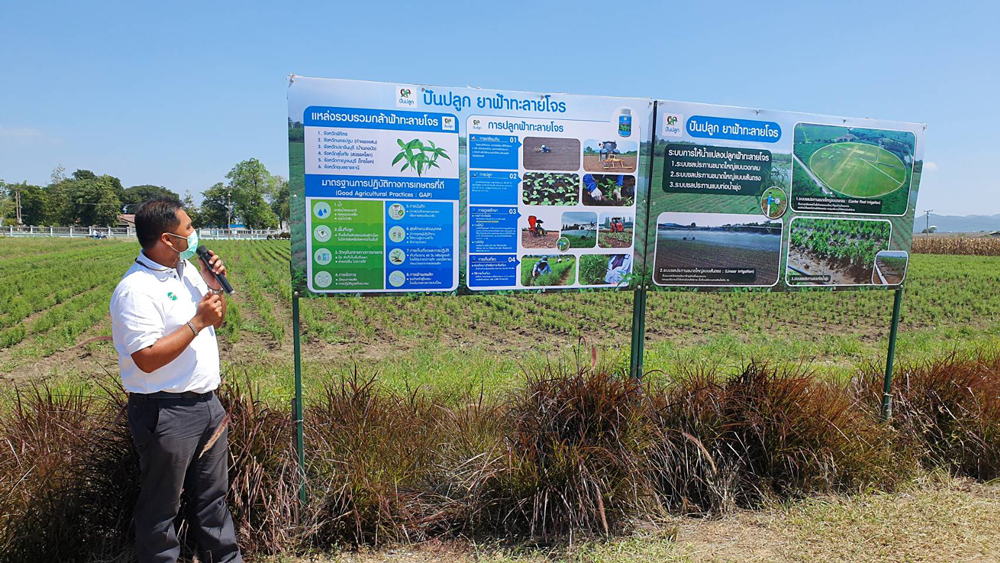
(152, 269)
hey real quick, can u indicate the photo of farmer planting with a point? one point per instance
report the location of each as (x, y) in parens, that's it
(610, 155)
(580, 229)
(717, 249)
(852, 163)
(548, 270)
(835, 251)
(550, 189)
(608, 190)
(605, 269)
(540, 230)
(551, 153)
(615, 231)
(890, 267)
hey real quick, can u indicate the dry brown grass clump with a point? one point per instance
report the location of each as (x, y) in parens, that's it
(949, 409)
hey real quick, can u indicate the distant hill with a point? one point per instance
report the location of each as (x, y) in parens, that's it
(958, 223)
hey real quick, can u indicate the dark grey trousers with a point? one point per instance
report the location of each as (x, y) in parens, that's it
(169, 434)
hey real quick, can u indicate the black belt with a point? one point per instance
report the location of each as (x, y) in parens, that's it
(184, 395)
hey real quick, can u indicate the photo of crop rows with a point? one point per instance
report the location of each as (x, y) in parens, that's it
(841, 250)
(550, 189)
(561, 271)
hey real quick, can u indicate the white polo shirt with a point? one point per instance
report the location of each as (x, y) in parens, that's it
(150, 302)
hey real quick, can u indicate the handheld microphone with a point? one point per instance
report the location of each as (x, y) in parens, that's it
(205, 257)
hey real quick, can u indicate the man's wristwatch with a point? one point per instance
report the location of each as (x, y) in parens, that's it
(217, 291)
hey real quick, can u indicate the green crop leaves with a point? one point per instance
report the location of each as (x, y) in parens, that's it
(854, 242)
(551, 189)
(419, 156)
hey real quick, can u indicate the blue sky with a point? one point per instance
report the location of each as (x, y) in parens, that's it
(175, 94)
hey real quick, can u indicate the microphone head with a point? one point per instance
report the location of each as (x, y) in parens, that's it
(203, 252)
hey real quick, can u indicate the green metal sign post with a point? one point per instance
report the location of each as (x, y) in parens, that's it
(638, 331)
(297, 401)
(893, 331)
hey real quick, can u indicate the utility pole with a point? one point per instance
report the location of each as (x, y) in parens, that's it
(927, 213)
(17, 202)
(229, 206)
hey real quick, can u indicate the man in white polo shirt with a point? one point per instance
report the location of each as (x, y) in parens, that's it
(164, 315)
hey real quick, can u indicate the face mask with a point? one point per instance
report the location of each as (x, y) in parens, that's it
(192, 247)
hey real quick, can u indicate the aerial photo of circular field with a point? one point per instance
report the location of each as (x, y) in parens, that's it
(857, 169)
(840, 169)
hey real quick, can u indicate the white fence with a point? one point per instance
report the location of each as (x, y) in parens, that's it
(129, 232)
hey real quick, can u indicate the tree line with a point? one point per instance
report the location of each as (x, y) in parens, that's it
(251, 196)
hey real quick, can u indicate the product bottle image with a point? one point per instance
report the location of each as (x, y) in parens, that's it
(625, 123)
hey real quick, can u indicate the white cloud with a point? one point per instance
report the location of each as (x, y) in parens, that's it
(930, 166)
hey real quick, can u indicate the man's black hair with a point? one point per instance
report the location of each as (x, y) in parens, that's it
(155, 217)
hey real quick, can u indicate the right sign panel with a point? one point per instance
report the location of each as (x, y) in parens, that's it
(744, 198)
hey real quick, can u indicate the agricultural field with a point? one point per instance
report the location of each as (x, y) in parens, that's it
(842, 250)
(537, 239)
(749, 247)
(610, 156)
(551, 153)
(580, 229)
(561, 271)
(426, 356)
(845, 162)
(54, 323)
(947, 244)
(624, 163)
(856, 169)
(550, 189)
(620, 239)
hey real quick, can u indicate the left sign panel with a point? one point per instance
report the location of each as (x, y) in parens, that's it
(380, 190)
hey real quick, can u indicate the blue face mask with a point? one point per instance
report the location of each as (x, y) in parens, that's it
(192, 246)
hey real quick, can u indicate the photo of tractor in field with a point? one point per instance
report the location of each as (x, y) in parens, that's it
(615, 231)
(534, 234)
(607, 155)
